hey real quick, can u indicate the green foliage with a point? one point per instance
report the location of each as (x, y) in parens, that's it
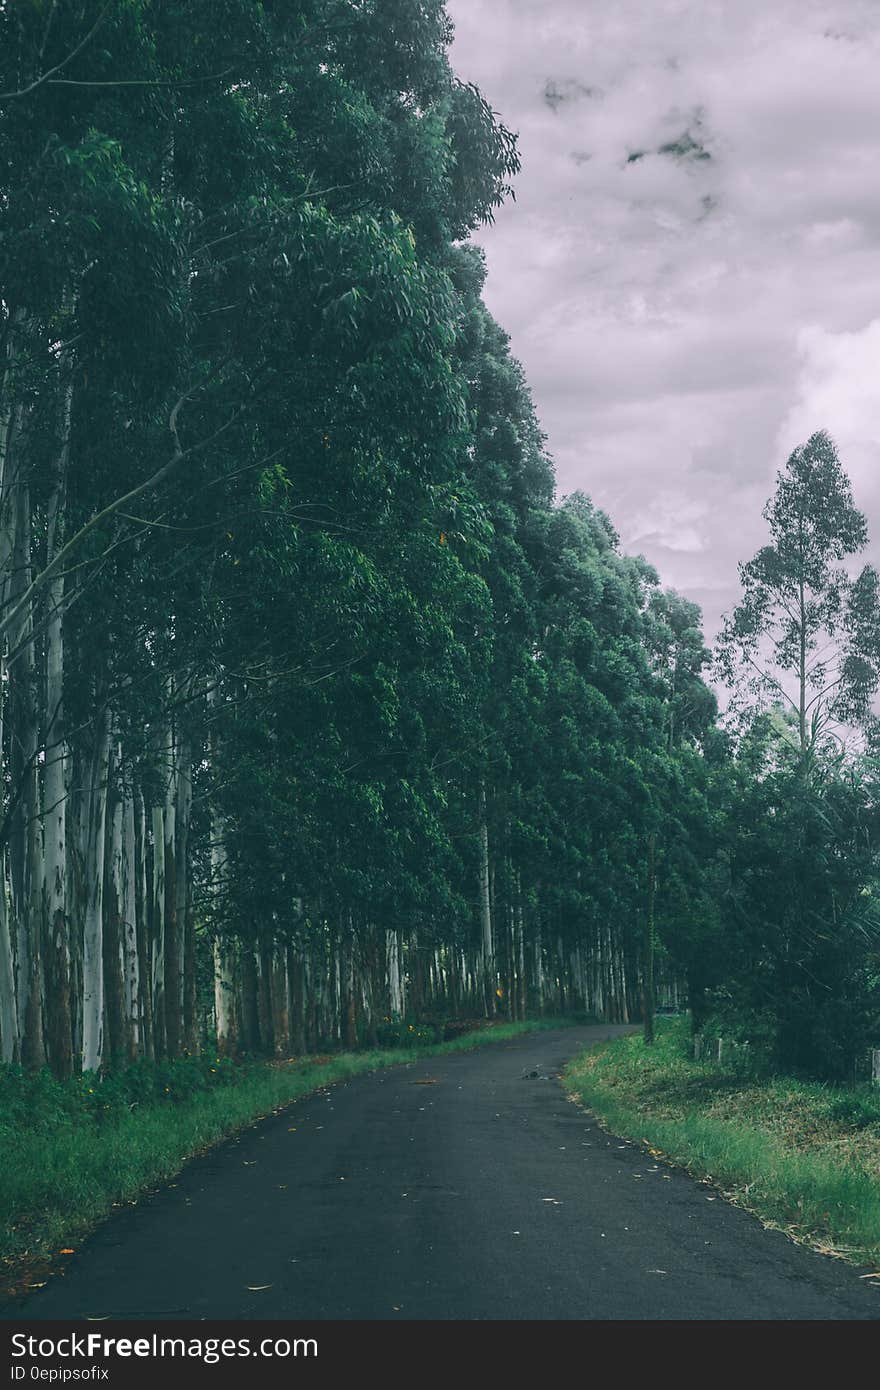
(38, 1102)
(401, 1034)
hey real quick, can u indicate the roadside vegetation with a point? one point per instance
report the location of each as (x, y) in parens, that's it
(73, 1150)
(802, 1155)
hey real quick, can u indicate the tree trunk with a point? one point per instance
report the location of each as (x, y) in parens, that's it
(158, 917)
(487, 943)
(55, 790)
(173, 979)
(296, 971)
(117, 1044)
(395, 990)
(130, 955)
(648, 983)
(183, 914)
(142, 923)
(9, 1035)
(93, 931)
(224, 996)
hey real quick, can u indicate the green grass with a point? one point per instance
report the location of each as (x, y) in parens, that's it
(802, 1156)
(67, 1161)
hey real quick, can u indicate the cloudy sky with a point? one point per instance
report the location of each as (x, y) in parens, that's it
(690, 273)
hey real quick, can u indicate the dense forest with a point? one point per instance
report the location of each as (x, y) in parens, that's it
(322, 717)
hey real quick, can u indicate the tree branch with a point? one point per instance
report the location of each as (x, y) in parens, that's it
(50, 73)
(42, 579)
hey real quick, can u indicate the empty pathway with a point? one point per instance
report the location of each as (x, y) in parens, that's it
(461, 1187)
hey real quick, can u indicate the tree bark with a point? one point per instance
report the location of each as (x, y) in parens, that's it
(486, 938)
(93, 931)
(648, 984)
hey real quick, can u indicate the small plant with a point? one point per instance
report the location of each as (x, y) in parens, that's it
(399, 1033)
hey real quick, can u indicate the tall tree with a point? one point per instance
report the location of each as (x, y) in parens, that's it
(806, 634)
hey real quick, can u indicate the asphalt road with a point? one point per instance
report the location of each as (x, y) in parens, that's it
(459, 1188)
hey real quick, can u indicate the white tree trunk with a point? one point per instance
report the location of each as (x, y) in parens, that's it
(224, 951)
(55, 787)
(395, 991)
(224, 996)
(9, 1035)
(116, 887)
(171, 952)
(158, 954)
(131, 963)
(93, 931)
(488, 946)
(182, 814)
(25, 847)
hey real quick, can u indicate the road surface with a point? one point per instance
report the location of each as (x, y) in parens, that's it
(464, 1187)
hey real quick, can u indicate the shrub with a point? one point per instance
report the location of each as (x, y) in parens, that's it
(399, 1033)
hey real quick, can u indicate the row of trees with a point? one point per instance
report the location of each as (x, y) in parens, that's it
(318, 712)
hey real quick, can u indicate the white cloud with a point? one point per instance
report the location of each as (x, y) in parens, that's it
(839, 390)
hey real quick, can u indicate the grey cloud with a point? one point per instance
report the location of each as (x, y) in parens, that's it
(557, 93)
(683, 317)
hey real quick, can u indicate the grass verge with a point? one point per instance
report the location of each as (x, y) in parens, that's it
(58, 1182)
(802, 1156)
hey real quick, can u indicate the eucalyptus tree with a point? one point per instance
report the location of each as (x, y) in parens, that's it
(802, 650)
(806, 634)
